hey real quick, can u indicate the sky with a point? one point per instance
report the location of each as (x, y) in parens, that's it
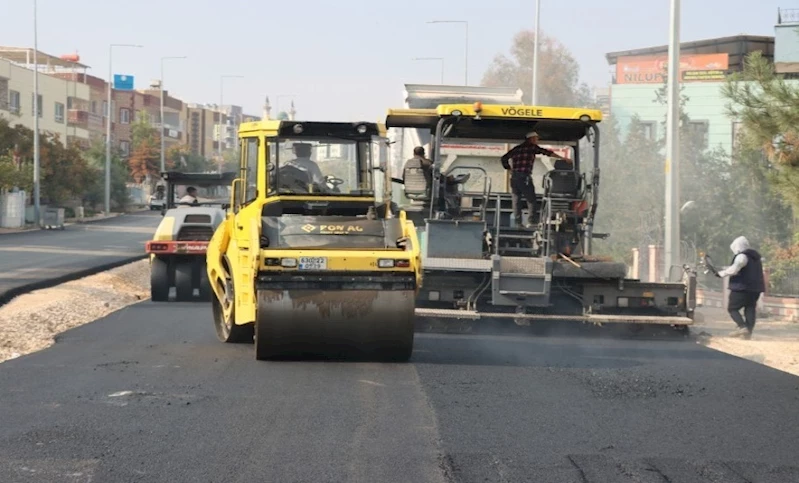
(349, 60)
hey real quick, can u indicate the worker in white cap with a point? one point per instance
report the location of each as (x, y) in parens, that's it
(521, 182)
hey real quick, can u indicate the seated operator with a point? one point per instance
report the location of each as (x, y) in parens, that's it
(303, 161)
(190, 198)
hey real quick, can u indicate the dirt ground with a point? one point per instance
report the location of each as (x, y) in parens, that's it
(30, 322)
(774, 342)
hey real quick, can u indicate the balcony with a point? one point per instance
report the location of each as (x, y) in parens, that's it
(85, 119)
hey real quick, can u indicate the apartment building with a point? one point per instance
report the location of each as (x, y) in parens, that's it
(61, 93)
(704, 66)
(203, 124)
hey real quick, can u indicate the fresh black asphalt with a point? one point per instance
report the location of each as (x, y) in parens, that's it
(149, 394)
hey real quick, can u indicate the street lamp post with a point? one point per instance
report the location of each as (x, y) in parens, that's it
(108, 126)
(672, 208)
(36, 161)
(534, 96)
(466, 61)
(221, 101)
(441, 59)
(163, 144)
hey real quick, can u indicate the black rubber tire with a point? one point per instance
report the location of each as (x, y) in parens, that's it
(184, 281)
(230, 333)
(159, 280)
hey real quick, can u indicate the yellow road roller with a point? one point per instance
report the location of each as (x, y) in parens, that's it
(312, 257)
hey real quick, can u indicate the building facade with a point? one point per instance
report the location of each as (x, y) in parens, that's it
(704, 66)
(60, 93)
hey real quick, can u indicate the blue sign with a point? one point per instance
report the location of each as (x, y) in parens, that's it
(123, 82)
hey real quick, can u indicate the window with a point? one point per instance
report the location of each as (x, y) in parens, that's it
(648, 129)
(14, 104)
(39, 100)
(94, 107)
(251, 169)
(124, 148)
(69, 102)
(105, 108)
(3, 94)
(700, 130)
(307, 165)
(124, 116)
(59, 112)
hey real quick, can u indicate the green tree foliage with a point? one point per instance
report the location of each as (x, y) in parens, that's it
(559, 73)
(95, 194)
(180, 158)
(768, 107)
(64, 173)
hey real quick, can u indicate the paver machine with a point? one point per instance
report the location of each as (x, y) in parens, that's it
(311, 259)
(478, 265)
(177, 250)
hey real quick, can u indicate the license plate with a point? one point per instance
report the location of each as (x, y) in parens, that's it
(313, 263)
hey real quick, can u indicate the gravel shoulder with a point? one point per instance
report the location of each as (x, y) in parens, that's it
(774, 343)
(31, 322)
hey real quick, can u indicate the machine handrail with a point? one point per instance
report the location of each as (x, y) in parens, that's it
(486, 186)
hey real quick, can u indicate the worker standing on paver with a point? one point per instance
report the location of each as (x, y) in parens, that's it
(520, 161)
(746, 284)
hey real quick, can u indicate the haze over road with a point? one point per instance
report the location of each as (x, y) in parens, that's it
(149, 394)
(32, 256)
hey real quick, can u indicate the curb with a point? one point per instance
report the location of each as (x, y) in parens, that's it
(10, 294)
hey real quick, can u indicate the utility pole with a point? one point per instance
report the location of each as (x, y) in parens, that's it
(36, 160)
(672, 168)
(534, 95)
(163, 143)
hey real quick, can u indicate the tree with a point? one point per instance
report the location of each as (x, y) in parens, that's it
(768, 107)
(64, 173)
(145, 156)
(730, 195)
(95, 194)
(181, 158)
(558, 72)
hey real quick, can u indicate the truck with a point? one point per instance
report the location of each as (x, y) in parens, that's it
(478, 265)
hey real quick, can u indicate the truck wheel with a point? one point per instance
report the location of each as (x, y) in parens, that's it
(159, 280)
(184, 282)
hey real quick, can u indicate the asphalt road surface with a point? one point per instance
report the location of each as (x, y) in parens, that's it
(149, 394)
(33, 256)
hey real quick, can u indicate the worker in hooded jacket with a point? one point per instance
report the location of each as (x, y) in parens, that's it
(746, 284)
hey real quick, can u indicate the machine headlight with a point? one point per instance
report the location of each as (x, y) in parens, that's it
(298, 129)
(385, 263)
(361, 129)
(585, 118)
(288, 262)
(456, 113)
